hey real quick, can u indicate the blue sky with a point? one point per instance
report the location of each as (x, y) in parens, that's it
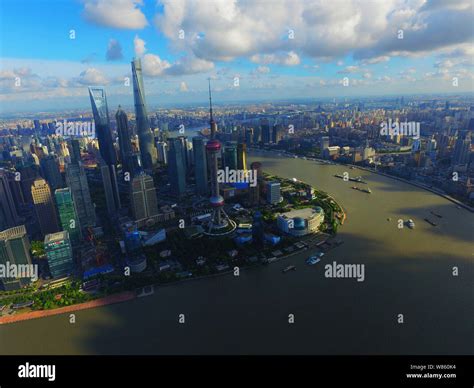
(275, 48)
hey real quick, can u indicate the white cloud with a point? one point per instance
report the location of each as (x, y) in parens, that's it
(286, 59)
(323, 29)
(189, 65)
(349, 70)
(153, 65)
(91, 76)
(375, 60)
(139, 46)
(125, 14)
(263, 70)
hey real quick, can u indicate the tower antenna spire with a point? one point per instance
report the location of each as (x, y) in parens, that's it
(210, 102)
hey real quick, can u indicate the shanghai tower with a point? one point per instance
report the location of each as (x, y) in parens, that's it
(145, 135)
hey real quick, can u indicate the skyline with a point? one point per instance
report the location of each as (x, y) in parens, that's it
(300, 55)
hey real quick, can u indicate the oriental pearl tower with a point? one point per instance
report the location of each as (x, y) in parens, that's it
(220, 223)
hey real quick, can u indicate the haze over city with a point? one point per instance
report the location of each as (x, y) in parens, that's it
(289, 50)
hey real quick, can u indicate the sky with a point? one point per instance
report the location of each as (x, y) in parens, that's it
(51, 50)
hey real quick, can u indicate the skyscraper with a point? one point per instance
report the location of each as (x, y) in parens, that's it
(177, 166)
(125, 144)
(68, 214)
(106, 147)
(76, 180)
(44, 206)
(324, 143)
(249, 137)
(258, 232)
(462, 149)
(162, 148)
(102, 124)
(15, 249)
(230, 155)
(59, 253)
(51, 173)
(273, 192)
(143, 198)
(266, 133)
(109, 182)
(200, 166)
(254, 191)
(145, 135)
(8, 213)
(277, 133)
(74, 151)
(257, 135)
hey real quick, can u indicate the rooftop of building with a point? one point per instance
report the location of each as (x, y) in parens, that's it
(58, 236)
(302, 213)
(15, 232)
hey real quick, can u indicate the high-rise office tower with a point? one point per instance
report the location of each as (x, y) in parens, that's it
(254, 191)
(28, 175)
(74, 150)
(162, 148)
(273, 192)
(258, 232)
(200, 166)
(106, 146)
(76, 180)
(8, 212)
(177, 166)
(143, 198)
(257, 135)
(186, 153)
(462, 149)
(44, 206)
(230, 155)
(242, 156)
(145, 135)
(266, 133)
(220, 223)
(125, 144)
(277, 133)
(249, 136)
(112, 197)
(431, 145)
(15, 249)
(68, 214)
(324, 143)
(102, 124)
(59, 254)
(50, 169)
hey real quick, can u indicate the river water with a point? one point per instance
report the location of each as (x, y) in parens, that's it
(407, 271)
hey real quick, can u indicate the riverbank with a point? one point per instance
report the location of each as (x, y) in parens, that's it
(421, 186)
(111, 299)
(413, 183)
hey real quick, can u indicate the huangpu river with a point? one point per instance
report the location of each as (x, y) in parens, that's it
(408, 303)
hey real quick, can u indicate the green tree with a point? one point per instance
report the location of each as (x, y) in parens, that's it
(37, 248)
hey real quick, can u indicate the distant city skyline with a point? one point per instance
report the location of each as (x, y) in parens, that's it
(254, 51)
